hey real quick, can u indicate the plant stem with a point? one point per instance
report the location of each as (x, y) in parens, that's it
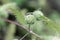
(23, 27)
(24, 36)
(29, 27)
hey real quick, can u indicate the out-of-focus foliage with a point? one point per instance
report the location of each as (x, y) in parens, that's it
(19, 2)
(55, 16)
(47, 26)
(10, 32)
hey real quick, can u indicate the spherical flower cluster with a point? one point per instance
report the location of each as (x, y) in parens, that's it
(30, 19)
(38, 14)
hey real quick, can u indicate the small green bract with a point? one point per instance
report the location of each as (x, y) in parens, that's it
(30, 19)
(38, 14)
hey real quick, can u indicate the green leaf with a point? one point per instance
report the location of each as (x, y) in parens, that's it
(51, 26)
(19, 16)
(55, 16)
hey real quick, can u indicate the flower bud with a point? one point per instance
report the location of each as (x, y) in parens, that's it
(38, 14)
(30, 19)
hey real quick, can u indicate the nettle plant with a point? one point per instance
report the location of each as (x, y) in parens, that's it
(32, 19)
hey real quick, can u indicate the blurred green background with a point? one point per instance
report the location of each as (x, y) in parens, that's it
(48, 30)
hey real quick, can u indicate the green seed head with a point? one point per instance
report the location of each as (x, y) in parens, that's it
(38, 14)
(30, 19)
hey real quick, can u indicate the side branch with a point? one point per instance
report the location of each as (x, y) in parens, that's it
(23, 27)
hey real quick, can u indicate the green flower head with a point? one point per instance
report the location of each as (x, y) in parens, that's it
(30, 19)
(38, 14)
